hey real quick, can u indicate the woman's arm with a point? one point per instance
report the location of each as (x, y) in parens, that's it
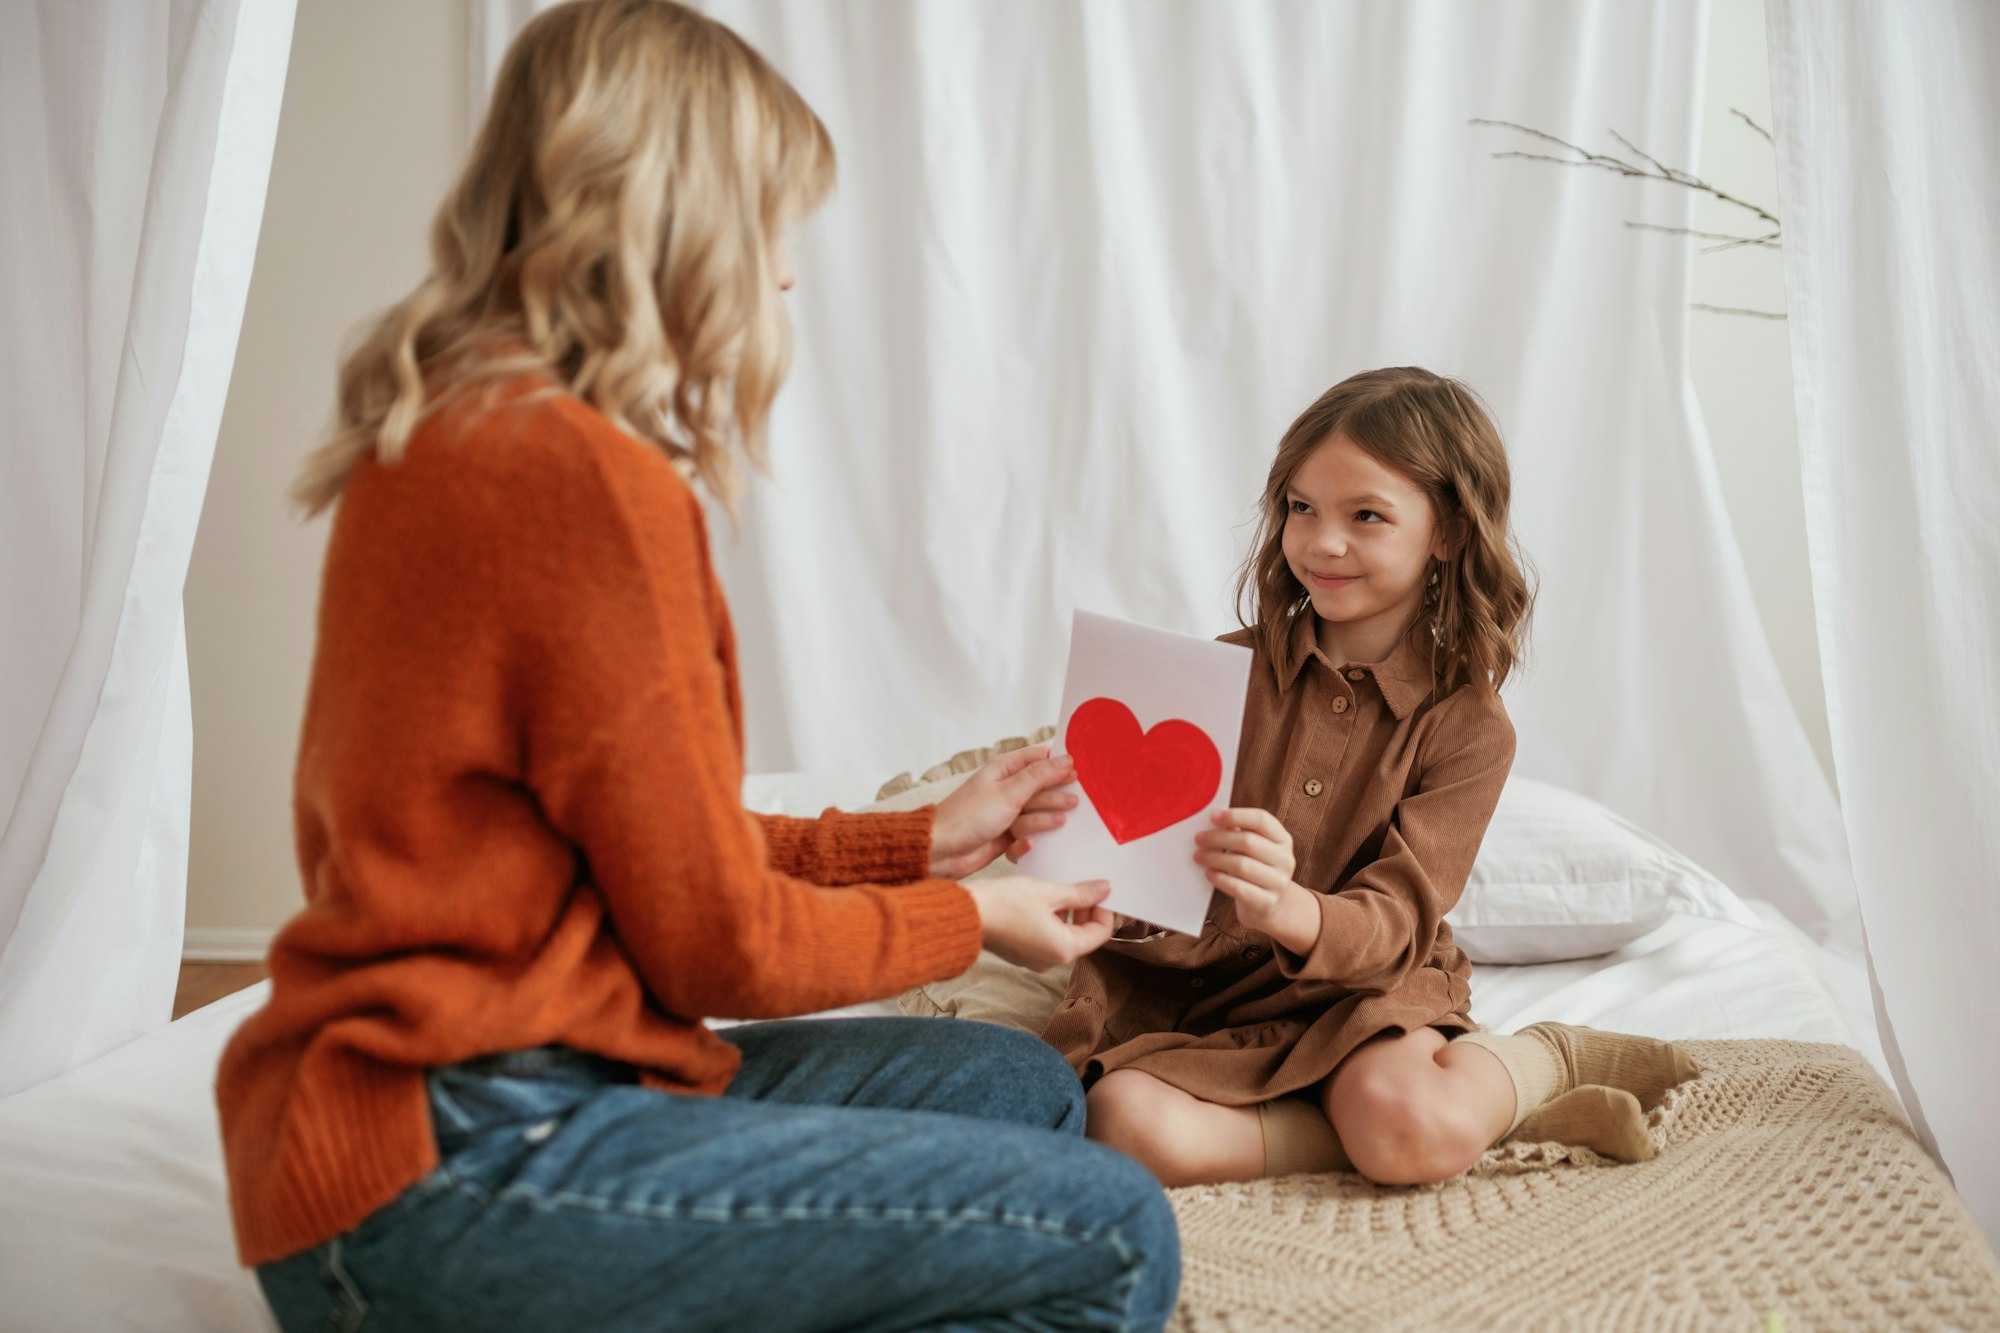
(710, 924)
(838, 848)
(632, 743)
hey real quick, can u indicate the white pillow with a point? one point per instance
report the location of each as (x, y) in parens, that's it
(1560, 876)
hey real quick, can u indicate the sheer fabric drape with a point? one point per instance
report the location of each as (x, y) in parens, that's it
(1888, 137)
(132, 184)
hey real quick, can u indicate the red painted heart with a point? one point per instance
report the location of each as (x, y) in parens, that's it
(1141, 782)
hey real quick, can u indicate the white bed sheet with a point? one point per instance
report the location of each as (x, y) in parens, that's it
(112, 1203)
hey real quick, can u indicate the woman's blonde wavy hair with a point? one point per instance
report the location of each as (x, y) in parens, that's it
(1433, 430)
(612, 230)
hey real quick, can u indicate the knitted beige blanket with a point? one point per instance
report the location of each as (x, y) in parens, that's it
(1787, 1184)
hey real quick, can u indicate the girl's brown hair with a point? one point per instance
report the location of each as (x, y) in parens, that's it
(1434, 431)
(612, 231)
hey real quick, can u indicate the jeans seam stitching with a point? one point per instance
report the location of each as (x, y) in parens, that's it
(445, 1102)
(1128, 1285)
(1127, 1288)
(756, 1212)
(465, 1185)
(1128, 1281)
(337, 1273)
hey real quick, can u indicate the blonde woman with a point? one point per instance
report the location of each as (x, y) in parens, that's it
(482, 1094)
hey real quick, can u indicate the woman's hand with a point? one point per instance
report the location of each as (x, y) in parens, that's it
(1045, 810)
(975, 823)
(1248, 855)
(1037, 923)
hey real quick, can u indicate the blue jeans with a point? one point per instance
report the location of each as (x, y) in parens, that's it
(892, 1173)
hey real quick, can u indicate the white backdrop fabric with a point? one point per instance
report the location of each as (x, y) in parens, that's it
(1888, 136)
(132, 180)
(1087, 261)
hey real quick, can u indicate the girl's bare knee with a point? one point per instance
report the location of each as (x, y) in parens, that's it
(1395, 1135)
(1122, 1110)
(1147, 1121)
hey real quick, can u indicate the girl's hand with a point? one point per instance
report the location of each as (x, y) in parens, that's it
(1039, 924)
(1248, 855)
(975, 823)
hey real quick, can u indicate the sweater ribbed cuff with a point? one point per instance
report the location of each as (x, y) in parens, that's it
(941, 930)
(840, 848)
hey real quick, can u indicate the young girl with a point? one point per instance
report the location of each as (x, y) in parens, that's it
(482, 1095)
(1320, 1021)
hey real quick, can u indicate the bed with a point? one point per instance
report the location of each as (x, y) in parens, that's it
(113, 1217)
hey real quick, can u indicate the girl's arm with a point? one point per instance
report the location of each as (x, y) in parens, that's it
(1383, 923)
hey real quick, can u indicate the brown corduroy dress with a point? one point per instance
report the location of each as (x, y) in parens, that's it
(1386, 788)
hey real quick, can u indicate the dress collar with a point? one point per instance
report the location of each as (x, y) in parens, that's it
(1404, 676)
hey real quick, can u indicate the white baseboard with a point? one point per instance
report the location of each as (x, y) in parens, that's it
(225, 944)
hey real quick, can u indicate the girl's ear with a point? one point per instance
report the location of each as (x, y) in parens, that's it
(1450, 538)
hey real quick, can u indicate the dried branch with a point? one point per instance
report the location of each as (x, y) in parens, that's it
(1768, 241)
(1735, 310)
(1678, 177)
(1754, 125)
(1651, 168)
(1654, 170)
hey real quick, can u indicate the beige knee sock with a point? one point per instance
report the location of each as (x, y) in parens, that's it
(1298, 1137)
(1547, 1060)
(1533, 1066)
(1642, 1066)
(1604, 1120)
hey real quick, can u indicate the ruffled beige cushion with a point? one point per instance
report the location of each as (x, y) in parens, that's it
(965, 761)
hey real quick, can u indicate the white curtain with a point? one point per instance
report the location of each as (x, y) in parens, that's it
(1888, 136)
(1086, 262)
(132, 182)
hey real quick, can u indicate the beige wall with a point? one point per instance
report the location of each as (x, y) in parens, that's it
(372, 128)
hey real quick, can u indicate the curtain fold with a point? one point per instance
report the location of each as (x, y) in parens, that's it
(1888, 138)
(1086, 262)
(133, 180)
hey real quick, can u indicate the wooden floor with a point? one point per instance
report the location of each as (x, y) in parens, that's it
(205, 983)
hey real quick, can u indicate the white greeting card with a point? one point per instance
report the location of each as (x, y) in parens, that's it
(1152, 719)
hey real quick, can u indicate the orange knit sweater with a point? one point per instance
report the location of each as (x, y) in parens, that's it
(518, 820)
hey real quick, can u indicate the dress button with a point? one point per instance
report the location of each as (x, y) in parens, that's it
(1340, 704)
(1354, 675)
(1314, 786)
(1196, 983)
